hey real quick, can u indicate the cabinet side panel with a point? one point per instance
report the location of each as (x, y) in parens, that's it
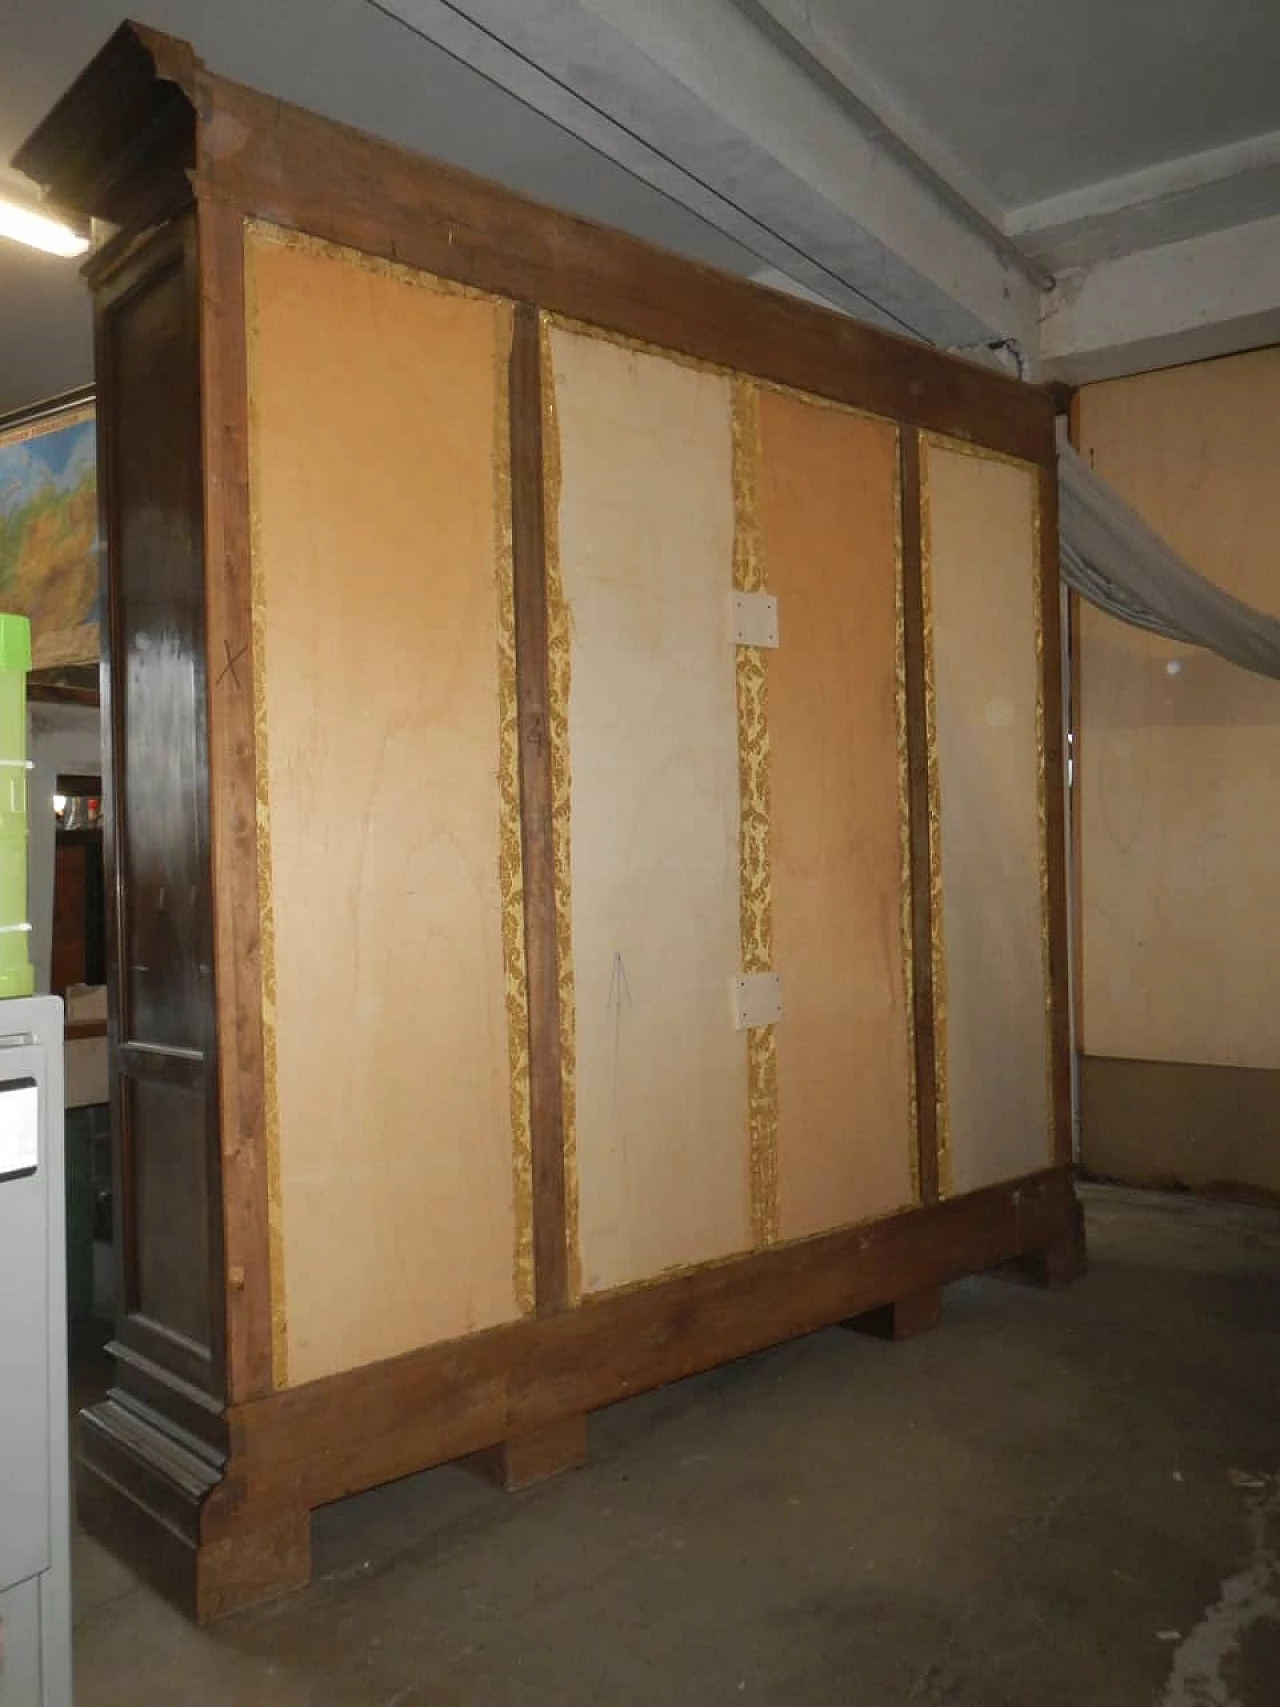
(378, 446)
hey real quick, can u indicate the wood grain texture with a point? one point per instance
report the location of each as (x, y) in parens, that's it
(219, 1547)
(330, 1438)
(375, 486)
(233, 799)
(646, 541)
(120, 143)
(528, 1459)
(827, 508)
(161, 996)
(1179, 794)
(550, 1230)
(982, 568)
(904, 1319)
(914, 645)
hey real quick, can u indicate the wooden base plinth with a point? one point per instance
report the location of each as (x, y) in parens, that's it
(160, 1504)
(217, 1531)
(903, 1319)
(1059, 1265)
(531, 1458)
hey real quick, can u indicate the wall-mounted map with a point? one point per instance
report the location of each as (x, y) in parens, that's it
(48, 530)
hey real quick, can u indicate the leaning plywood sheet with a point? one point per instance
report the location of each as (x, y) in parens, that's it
(828, 534)
(981, 551)
(383, 629)
(1179, 779)
(642, 554)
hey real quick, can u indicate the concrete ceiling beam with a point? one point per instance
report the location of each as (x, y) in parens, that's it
(703, 104)
(1206, 296)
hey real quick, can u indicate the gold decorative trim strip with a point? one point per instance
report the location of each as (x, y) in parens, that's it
(681, 358)
(937, 941)
(253, 234)
(905, 919)
(559, 678)
(966, 447)
(510, 866)
(285, 237)
(756, 905)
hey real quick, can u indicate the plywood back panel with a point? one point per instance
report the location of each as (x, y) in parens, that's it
(981, 574)
(827, 511)
(645, 547)
(377, 446)
(1179, 774)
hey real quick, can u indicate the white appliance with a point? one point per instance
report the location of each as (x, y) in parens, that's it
(35, 1517)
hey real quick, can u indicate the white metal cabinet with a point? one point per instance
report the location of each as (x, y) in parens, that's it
(35, 1597)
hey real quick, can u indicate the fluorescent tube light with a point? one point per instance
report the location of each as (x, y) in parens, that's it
(38, 231)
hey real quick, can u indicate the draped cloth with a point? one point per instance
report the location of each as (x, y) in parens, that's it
(1112, 558)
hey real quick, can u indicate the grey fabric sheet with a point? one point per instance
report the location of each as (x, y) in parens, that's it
(1112, 558)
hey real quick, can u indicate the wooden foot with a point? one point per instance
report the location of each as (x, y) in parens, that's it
(1057, 1265)
(530, 1458)
(903, 1319)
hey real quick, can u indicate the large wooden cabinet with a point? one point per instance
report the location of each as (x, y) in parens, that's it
(585, 818)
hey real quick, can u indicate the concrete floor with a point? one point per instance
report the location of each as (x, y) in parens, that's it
(1056, 1498)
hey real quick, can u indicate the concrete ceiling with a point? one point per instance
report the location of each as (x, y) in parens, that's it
(1034, 100)
(1086, 129)
(1095, 185)
(343, 58)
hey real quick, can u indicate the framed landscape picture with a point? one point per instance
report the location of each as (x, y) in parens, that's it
(49, 527)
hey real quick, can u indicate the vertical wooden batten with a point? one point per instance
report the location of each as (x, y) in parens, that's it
(915, 667)
(528, 547)
(1054, 783)
(248, 1182)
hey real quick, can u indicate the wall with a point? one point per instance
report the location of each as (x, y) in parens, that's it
(1179, 798)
